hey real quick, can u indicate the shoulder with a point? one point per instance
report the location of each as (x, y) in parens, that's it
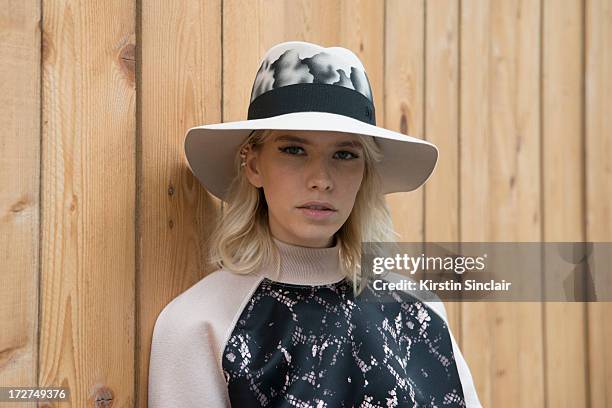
(188, 339)
(213, 299)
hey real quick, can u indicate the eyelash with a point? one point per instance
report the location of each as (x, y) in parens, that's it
(284, 150)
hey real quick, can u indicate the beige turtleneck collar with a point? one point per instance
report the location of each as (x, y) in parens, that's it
(305, 265)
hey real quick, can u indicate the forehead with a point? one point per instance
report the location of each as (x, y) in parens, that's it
(317, 138)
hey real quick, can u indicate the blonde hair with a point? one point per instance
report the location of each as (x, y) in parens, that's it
(242, 242)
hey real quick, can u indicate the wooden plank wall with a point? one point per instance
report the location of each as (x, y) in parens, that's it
(87, 333)
(20, 104)
(102, 223)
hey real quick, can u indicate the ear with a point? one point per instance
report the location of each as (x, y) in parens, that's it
(252, 169)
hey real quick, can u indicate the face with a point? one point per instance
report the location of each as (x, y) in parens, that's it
(301, 169)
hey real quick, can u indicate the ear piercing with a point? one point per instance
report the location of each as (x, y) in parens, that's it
(243, 153)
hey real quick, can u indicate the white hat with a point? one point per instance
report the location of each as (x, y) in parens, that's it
(304, 86)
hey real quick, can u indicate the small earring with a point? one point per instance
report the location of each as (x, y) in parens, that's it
(243, 153)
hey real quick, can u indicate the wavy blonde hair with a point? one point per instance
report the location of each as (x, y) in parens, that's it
(242, 242)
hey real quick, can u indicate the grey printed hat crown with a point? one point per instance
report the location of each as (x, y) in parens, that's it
(302, 72)
(299, 62)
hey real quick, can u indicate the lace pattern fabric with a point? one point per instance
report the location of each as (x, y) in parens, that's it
(319, 346)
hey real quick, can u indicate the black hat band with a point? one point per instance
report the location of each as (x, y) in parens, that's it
(318, 97)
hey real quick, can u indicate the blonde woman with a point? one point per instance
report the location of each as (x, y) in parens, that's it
(288, 319)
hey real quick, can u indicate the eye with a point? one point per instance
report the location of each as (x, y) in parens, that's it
(343, 155)
(290, 150)
(346, 155)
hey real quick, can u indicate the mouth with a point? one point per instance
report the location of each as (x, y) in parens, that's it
(317, 210)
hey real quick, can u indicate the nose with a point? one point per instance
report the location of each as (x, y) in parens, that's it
(319, 176)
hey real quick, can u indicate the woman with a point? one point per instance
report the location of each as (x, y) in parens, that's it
(289, 319)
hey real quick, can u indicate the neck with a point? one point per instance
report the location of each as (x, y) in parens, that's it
(305, 265)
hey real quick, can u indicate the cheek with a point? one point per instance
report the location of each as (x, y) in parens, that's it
(355, 178)
(279, 191)
(275, 166)
(282, 176)
(351, 185)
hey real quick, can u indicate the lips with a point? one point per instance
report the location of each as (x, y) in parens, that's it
(318, 206)
(314, 214)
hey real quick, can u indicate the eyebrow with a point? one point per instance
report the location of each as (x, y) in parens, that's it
(289, 138)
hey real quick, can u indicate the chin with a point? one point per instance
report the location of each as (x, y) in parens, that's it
(314, 233)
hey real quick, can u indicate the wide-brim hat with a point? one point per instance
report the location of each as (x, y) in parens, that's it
(304, 86)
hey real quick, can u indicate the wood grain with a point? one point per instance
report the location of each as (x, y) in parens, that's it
(19, 194)
(441, 205)
(87, 326)
(180, 87)
(563, 188)
(500, 188)
(404, 101)
(598, 145)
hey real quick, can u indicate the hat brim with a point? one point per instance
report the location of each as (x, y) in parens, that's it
(210, 149)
